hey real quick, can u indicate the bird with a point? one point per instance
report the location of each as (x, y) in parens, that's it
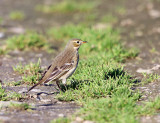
(63, 65)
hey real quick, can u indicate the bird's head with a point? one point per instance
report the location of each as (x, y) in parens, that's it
(76, 43)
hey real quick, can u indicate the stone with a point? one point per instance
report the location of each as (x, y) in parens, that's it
(46, 100)
(17, 30)
(60, 115)
(140, 70)
(79, 119)
(4, 118)
(100, 26)
(88, 121)
(154, 13)
(7, 103)
(127, 22)
(2, 35)
(36, 90)
(157, 67)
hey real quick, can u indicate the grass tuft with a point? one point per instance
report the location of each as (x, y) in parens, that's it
(19, 107)
(31, 73)
(147, 78)
(3, 51)
(100, 79)
(27, 41)
(1, 20)
(17, 15)
(4, 96)
(67, 6)
(100, 83)
(109, 19)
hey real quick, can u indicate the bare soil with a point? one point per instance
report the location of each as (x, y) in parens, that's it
(140, 26)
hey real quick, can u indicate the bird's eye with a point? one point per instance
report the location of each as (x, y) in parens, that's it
(78, 42)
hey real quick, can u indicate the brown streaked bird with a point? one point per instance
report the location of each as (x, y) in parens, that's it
(64, 64)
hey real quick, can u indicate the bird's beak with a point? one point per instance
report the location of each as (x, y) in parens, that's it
(84, 42)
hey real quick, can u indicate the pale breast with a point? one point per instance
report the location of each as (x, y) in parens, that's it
(71, 71)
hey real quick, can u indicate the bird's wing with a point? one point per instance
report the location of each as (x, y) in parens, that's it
(56, 73)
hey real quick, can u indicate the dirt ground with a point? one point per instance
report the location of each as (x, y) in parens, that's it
(140, 26)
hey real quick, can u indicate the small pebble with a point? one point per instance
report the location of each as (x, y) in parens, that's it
(46, 100)
(36, 90)
(60, 115)
(140, 70)
(78, 119)
(154, 13)
(17, 30)
(2, 35)
(88, 121)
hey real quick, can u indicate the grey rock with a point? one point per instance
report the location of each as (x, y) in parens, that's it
(140, 70)
(154, 13)
(88, 121)
(7, 103)
(2, 35)
(4, 118)
(17, 30)
(60, 115)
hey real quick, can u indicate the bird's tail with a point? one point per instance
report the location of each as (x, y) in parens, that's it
(35, 85)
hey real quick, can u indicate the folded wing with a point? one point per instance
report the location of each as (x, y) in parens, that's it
(56, 73)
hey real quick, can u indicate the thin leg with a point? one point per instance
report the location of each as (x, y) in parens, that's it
(65, 87)
(57, 82)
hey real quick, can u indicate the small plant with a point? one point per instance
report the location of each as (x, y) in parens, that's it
(147, 78)
(3, 51)
(4, 96)
(31, 73)
(90, 17)
(17, 15)
(19, 107)
(27, 41)
(61, 120)
(109, 19)
(67, 6)
(1, 20)
(120, 10)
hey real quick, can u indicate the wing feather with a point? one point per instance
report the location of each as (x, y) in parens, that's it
(55, 74)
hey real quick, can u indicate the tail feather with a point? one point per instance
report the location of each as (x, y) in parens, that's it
(35, 85)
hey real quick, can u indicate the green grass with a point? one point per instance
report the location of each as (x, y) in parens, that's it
(16, 15)
(105, 42)
(67, 6)
(19, 107)
(1, 20)
(147, 78)
(100, 79)
(109, 19)
(100, 84)
(120, 10)
(91, 17)
(104, 91)
(30, 40)
(114, 110)
(24, 42)
(4, 96)
(31, 73)
(3, 51)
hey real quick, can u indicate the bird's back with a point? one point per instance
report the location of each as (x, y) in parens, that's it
(59, 61)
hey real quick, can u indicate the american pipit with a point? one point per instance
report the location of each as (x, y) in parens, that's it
(64, 64)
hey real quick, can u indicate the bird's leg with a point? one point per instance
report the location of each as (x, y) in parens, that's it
(57, 82)
(64, 83)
